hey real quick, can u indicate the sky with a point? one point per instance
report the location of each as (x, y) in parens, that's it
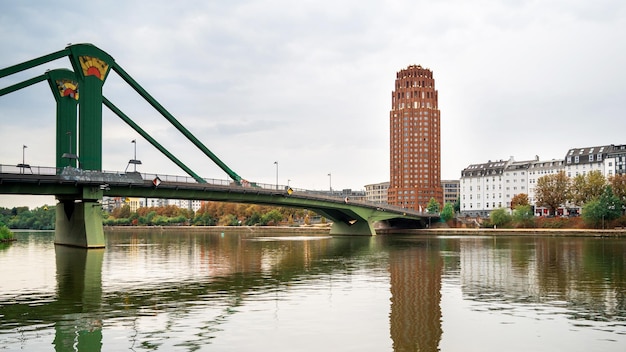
(308, 84)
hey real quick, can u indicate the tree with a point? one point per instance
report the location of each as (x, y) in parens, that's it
(523, 215)
(448, 212)
(552, 191)
(618, 184)
(587, 187)
(603, 209)
(432, 206)
(500, 217)
(519, 199)
(274, 216)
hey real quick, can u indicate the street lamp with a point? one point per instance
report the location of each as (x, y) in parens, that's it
(330, 183)
(134, 160)
(23, 165)
(70, 156)
(276, 163)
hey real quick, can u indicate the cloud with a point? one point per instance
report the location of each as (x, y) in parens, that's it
(309, 85)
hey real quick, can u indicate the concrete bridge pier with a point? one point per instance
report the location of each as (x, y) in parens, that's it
(79, 220)
(361, 227)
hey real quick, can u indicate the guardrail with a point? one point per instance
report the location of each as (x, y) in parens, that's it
(24, 169)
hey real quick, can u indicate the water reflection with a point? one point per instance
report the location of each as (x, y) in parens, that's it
(243, 291)
(415, 276)
(77, 310)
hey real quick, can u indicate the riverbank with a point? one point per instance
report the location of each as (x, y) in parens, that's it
(219, 229)
(509, 232)
(442, 231)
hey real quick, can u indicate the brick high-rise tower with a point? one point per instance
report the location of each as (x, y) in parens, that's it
(415, 140)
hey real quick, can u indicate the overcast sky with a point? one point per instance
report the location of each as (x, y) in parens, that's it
(308, 83)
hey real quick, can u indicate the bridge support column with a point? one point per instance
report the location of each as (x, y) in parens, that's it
(362, 228)
(79, 221)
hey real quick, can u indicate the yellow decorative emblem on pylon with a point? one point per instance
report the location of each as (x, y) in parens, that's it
(68, 88)
(92, 66)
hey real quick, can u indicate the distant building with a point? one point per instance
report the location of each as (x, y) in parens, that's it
(415, 140)
(580, 161)
(377, 192)
(536, 170)
(492, 185)
(478, 180)
(451, 191)
(615, 160)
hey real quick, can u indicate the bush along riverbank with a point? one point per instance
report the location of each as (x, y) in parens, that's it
(5, 234)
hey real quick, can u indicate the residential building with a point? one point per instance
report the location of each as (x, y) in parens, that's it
(415, 144)
(451, 191)
(580, 161)
(615, 160)
(479, 180)
(377, 192)
(536, 170)
(492, 185)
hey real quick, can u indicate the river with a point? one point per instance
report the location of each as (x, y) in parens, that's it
(243, 289)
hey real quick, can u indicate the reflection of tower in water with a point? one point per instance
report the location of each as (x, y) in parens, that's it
(415, 319)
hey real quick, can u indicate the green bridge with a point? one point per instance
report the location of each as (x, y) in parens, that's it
(79, 183)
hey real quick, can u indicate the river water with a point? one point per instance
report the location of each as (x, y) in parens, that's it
(246, 290)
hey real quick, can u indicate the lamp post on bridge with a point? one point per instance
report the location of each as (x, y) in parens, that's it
(330, 183)
(134, 160)
(70, 156)
(23, 165)
(276, 163)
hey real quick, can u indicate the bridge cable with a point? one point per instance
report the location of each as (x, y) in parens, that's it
(152, 141)
(126, 77)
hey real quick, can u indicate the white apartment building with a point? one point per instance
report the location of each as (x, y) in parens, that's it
(539, 169)
(377, 192)
(482, 187)
(492, 185)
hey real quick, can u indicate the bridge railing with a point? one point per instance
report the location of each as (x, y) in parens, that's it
(24, 169)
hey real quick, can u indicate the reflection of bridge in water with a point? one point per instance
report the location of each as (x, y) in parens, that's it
(232, 270)
(83, 304)
(78, 182)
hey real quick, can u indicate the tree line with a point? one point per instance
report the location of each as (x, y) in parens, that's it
(602, 200)
(209, 214)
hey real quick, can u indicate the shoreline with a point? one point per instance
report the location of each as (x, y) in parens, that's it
(441, 231)
(507, 232)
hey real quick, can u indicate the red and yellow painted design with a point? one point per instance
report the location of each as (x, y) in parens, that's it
(67, 88)
(92, 66)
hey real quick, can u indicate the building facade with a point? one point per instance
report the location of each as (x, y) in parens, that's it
(377, 192)
(451, 191)
(492, 185)
(415, 140)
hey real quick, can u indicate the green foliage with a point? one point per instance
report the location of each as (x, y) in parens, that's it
(523, 216)
(599, 212)
(5, 233)
(587, 187)
(500, 217)
(204, 219)
(253, 219)
(42, 218)
(433, 206)
(272, 217)
(448, 212)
